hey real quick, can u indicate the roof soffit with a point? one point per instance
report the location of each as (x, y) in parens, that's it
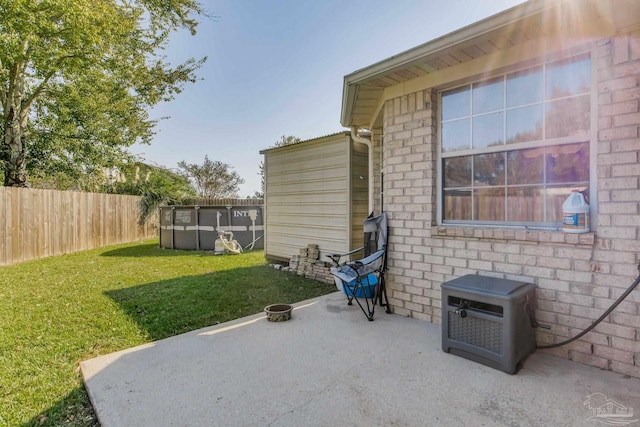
(538, 25)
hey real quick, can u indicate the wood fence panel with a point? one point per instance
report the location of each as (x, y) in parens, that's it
(36, 205)
(56, 223)
(5, 208)
(69, 223)
(3, 227)
(45, 228)
(15, 224)
(95, 224)
(40, 223)
(27, 221)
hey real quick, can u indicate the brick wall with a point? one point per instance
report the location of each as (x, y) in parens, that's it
(376, 139)
(577, 276)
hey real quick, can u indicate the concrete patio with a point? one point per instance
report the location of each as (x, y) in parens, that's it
(329, 366)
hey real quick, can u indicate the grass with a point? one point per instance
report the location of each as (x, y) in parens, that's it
(59, 311)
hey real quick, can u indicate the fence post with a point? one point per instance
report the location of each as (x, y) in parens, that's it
(173, 220)
(197, 208)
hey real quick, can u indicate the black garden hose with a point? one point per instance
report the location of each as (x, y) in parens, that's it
(600, 319)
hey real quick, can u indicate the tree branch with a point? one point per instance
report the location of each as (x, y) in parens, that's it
(10, 95)
(68, 136)
(14, 76)
(27, 103)
(3, 93)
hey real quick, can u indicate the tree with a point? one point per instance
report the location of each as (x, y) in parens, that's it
(77, 78)
(213, 179)
(155, 185)
(284, 140)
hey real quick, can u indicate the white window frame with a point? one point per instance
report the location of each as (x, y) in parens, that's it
(591, 138)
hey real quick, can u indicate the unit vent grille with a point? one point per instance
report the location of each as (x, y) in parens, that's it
(476, 331)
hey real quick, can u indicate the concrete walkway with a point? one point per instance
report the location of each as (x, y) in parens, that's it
(329, 366)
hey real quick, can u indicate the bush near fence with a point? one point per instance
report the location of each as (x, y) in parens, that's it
(38, 223)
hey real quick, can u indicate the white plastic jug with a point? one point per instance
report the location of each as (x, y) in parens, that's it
(575, 214)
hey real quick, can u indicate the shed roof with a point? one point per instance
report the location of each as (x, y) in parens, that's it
(520, 27)
(345, 133)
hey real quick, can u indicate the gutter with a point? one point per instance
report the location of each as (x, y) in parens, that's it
(367, 142)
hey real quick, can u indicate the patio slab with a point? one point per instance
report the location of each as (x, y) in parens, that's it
(329, 366)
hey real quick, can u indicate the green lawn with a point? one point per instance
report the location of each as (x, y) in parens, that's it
(59, 311)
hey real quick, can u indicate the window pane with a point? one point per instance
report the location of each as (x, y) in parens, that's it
(566, 78)
(525, 204)
(524, 87)
(457, 172)
(530, 109)
(568, 117)
(524, 124)
(456, 103)
(488, 169)
(556, 195)
(456, 135)
(489, 204)
(488, 96)
(525, 166)
(488, 130)
(457, 205)
(568, 163)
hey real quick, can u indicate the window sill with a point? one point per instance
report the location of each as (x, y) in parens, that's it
(521, 235)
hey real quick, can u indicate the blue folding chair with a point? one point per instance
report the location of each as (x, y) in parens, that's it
(362, 280)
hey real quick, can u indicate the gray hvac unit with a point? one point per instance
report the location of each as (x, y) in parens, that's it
(488, 320)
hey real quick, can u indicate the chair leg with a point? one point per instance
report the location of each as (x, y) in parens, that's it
(370, 302)
(369, 305)
(382, 292)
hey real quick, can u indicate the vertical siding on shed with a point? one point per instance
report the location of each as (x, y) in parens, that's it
(309, 197)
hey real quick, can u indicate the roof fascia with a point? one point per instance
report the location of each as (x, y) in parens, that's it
(492, 23)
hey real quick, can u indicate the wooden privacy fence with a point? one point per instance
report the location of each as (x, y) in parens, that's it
(41, 223)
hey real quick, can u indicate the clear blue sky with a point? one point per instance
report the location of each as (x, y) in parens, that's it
(276, 68)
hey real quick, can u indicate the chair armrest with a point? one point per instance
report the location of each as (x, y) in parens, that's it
(372, 258)
(363, 266)
(336, 257)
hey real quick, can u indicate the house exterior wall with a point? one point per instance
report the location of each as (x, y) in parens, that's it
(314, 195)
(578, 276)
(359, 197)
(377, 143)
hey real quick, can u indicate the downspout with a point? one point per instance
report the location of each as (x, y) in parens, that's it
(367, 142)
